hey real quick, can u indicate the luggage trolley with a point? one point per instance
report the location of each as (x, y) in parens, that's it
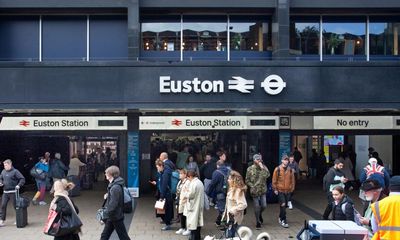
(332, 230)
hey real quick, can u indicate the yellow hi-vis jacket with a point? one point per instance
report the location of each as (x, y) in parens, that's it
(387, 216)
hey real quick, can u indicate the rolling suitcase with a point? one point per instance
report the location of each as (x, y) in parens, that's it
(76, 191)
(21, 210)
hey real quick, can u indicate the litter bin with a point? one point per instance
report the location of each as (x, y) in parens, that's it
(332, 230)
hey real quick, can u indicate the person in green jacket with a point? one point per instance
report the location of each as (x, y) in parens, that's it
(256, 179)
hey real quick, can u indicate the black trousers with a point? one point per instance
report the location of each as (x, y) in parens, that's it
(329, 206)
(195, 234)
(283, 199)
(169, 211)
(118, 226)
(4, 201)
(183, 220)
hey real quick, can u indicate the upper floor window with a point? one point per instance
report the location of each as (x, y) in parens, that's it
(384, 37)
(344, 36)
(305, 36)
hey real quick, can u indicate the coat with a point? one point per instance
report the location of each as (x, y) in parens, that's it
(235, 204)
(64, 207)
(183, 188)
(283, 180)
(256, 179)
(115, 200)
(194, 206)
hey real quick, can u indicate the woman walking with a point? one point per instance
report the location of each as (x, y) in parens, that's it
(40, 180)
(235, 203)
(63, 204)
(194, 205)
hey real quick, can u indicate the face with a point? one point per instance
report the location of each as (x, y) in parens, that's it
(337, 195)
(223, 157)
(285, 162)
(108, 177)
(182, 175)
(160, 168)
(208, 158)
(291, 159)
(370, 195)
(190, 159)
(340, 166)
(7, 166)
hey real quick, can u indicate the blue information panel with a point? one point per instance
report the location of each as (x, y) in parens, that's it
(133, 163)
(284, 144)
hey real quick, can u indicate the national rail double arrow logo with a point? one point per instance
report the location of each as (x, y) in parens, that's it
(24, 123)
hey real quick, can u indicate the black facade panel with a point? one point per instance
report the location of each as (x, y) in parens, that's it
(14, 32)
(133, 87)
(64, 38)
(108, 37)
(345, 4)
(208, 4)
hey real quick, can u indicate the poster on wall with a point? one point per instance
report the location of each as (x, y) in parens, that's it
(133, 163)
(284, 144)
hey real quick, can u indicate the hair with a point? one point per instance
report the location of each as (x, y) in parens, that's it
(159, 162)
(340, 189)
(75, 155)
(285, 157)
(57, 155)
(8, 161)
(220, 153)
(191, 173)
(237, 181)
(291, 155)
(64, 183)
(164, 154)
(113, 171)
(183, 171)
(189, 156)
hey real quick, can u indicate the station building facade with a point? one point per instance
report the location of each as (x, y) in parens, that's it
(140, 77)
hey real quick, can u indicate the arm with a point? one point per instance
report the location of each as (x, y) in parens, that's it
(363, 176)
(265, 172)
(62, 165)
(20, 177)
(249, 179)
(81, 164)
(275, 179)
(1, 178)
(292, 179)
(164, 187)
(114, 199)
(213, 184)
(241, 203)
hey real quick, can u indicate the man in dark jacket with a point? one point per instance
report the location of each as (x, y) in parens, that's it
(57, 169)
(165, 192)
(114, 206)
(11, 180)
(218, 188)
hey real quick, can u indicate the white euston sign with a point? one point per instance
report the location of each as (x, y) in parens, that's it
(353, 122)
(63, 123)
(272, 85)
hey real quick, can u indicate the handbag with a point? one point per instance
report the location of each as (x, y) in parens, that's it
(65, 224)
(101, 215)
(159, 206)
(38, 173)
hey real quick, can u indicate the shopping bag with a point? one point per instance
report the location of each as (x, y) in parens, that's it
(51, 217)
(159, 204)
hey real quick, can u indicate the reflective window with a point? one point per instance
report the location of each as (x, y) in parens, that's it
(384, 37)
(304, 36)
(161, 36)
(344, 36)
(249, 34)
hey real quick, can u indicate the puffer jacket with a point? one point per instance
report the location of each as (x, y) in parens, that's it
(348, 214)
(284, 180)
(115, 200)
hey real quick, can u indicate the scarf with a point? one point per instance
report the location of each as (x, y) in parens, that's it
(59, 191)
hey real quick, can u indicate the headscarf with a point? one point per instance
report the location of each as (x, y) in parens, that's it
(60, 189)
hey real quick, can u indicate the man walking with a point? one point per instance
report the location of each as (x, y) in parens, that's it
(256, 178)
(283, 183)
(165, 192)
(11, 180)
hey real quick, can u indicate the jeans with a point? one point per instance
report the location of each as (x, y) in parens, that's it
(118, 226)
(231, 230)
(260, 203)
(4, 201)
(283, 199)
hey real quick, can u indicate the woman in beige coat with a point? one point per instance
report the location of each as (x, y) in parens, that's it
(235, 203)
(194, 205)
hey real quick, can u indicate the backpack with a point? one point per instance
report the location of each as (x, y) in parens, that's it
(127, 200)
(225, 184)
(355, 213)
(174, 181)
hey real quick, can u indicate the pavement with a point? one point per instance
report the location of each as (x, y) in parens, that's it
(309, 203)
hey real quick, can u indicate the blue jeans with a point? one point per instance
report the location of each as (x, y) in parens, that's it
(260, 203)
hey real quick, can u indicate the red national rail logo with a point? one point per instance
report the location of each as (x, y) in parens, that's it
(24, 123)
(176, 122)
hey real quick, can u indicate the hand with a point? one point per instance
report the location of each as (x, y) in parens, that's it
(17, 187)
(1, 184)
(105, 196)
(153, 182)
(276, 192)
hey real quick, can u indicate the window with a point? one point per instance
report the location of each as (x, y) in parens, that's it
(161, 38)
(384, 37)
(344, 36)
(304, 36)
(19, 38)
(64, 38)
(250, 37)
(205, 37)
(108, 38)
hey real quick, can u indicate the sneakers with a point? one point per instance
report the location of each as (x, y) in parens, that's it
(290, 205)
(283, 223)
(186, 233)
(2, 223)
(180, 231)
(166, 228)
(42, 203)
(258, 226)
